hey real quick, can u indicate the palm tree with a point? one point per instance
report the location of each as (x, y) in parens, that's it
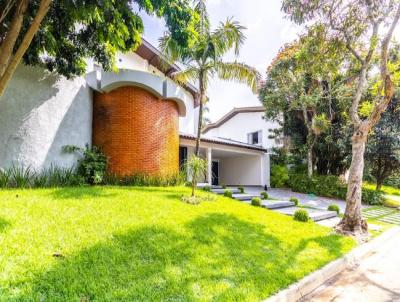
(204, 59)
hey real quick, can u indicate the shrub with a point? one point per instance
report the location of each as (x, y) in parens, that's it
(228, 193)
(241, 189)
(223, 186)
(294, 200)
(255, 201)
(334, 208)
(144, 180)
(4, 178)
(93, 164)
(279, 176)
(207, 189)
(301, 215)
(193, 200)
(330, 186)
(20, 177)
(264, 195)
(92, 167)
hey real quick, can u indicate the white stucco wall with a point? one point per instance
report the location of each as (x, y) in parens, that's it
(239, 126)
(39, 114)
(241, 170)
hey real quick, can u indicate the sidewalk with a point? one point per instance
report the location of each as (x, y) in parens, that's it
(377, 279)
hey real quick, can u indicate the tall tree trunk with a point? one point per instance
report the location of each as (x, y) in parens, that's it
(310, 162)
(352, 222)
(201, 108)
(379, 184)
(13, 62)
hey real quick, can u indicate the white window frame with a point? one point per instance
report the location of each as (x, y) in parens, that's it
(250, 138)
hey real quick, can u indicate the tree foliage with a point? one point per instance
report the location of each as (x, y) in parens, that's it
(305, 82)
(383, 149)
(62, 35)
(366, 29)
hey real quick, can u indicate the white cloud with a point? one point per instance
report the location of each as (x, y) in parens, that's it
(267, 30)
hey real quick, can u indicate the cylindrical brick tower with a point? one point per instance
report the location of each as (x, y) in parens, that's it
(137, 131)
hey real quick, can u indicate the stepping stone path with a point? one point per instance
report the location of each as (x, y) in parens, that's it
(391, 216)
(281, 206)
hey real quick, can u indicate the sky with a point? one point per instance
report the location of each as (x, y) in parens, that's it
(267, 31)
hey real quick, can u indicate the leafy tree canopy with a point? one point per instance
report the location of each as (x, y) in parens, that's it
(74, 30)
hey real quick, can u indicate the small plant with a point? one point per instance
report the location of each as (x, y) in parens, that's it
(228, 193)
(241, 189)
(20, 177)
(255, 201)
(334, 208)
(301, 215)
(194, 167)
(4, 178)
(193, 200)
(264, 195)
(294, 200)
(223, 186)
(93, 164)
(207, 189)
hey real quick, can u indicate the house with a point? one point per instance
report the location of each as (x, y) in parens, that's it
(246, 126)
(143, 121)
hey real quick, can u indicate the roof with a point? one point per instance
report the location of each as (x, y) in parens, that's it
(155, 58)
(231, 114)
(223, 141)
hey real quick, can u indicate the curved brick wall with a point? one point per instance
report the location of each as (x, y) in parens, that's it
(137, 131)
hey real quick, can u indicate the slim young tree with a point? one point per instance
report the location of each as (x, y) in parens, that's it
(61, 35)
(203, 59)
(365, 27)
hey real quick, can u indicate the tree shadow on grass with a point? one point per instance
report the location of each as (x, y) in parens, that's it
(214, 257)
(81, 192)
(4, 224)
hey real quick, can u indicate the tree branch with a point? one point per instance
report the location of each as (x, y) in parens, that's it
(26, 41)
(388, 86)
(6, 10)
(11, 37)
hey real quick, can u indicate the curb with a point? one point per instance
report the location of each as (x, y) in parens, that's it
(308, 284)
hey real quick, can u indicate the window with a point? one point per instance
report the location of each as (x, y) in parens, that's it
(255, 138)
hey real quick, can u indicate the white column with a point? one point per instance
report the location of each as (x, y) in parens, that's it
(209, 165)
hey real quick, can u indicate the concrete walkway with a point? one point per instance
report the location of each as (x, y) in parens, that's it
(305, 199)
(377, 279)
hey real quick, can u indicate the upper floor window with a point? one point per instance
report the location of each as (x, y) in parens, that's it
(255, 138)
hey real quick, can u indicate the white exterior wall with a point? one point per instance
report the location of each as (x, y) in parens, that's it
(39, 114)
(241, 170)
(238, 127)
(42, 112)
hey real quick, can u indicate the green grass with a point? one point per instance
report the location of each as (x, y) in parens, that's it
(392, 194)
(385, 189)
(144, 244)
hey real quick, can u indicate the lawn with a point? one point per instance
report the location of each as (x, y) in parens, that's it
(385, 189)
(144, 244)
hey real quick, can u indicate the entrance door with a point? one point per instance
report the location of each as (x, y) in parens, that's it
(215, 173)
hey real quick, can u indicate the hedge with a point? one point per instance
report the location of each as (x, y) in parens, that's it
(330, 186)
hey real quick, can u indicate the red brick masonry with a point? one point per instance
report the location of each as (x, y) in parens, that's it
(137, 131)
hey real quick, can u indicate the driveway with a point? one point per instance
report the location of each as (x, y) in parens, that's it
(377, 279)
(306, 199)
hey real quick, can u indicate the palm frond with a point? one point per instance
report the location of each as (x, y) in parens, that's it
(228, 35)
(238, 72)
(173, 52)
(204, 23)
(189, 75)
